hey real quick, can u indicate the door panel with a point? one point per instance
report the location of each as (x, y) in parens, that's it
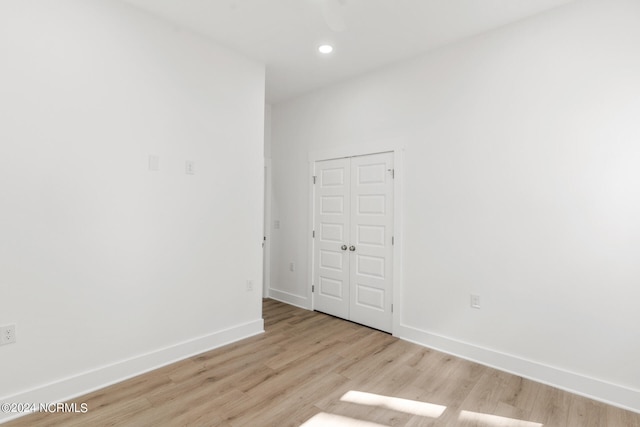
(330, 288)
(371, 204)
(333, 177)
(370, 266)
(331, 232)
(331, 260)
(373, 235)
(331, 272)
(370, 297)
(332, 205)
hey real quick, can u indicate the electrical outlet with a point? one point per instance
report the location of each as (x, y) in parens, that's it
(292, 267)
(249, 285)
(7, 334)
(475, 301)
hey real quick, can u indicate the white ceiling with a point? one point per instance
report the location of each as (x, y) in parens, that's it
(284, 34)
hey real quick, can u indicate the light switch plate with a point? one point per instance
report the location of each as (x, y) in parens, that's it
(190, 167)
(154, 163)
(475, 301)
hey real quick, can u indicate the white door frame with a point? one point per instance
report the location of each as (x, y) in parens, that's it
(362, 150)
(266, 255)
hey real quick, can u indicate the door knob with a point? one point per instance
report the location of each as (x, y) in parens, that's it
(352, 248)
(344, 247)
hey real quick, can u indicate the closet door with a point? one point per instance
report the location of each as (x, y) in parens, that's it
(371, 247)
(353, 226)
(331, 227)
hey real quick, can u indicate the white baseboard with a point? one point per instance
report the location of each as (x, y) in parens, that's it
(603, 391)
(291, 299)
(87, 382)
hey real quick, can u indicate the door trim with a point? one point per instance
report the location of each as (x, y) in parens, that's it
(266, 255)
(398, 215)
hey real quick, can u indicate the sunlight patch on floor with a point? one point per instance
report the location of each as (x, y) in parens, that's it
(330, 420)
(407, 406)
(488, 420)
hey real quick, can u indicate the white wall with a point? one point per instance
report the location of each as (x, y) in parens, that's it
(520, 184)
(267, 131)
(106, 268)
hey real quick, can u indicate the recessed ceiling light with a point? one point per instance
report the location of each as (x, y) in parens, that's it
(325, 48)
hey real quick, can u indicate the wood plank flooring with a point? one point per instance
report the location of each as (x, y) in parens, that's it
(311, 370)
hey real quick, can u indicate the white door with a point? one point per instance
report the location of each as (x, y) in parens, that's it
(353, 248)
(371, 240)
(331, 257)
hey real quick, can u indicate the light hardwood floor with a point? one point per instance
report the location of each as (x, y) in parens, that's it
(314, 370)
